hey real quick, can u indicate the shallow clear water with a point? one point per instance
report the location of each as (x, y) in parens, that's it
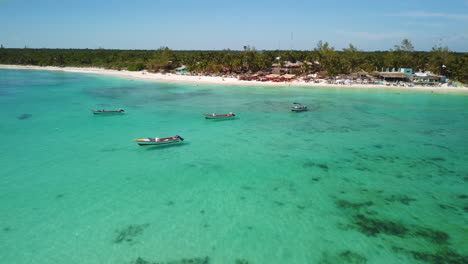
(364, 177)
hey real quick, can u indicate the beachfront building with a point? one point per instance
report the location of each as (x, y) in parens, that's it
(361, 74)
(286, 67)
(399, 75)
(289, 67)
(407, 71)
(258, 76)
(407, 75)
(279, 78)
(181, 70)
(273, 77)
(362, 77)
(428, 78)
(393, 77)
(288, 77)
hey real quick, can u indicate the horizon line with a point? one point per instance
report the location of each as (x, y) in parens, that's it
(236, 50)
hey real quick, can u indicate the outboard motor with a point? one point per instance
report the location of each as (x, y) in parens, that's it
(181, 138)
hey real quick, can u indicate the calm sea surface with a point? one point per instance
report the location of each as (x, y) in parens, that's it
(363, 177)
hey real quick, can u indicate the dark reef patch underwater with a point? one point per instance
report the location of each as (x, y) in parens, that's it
(363, 177)
(345, 257)
(129, 233)
(205, 260)
(368, 222)
(24, 116)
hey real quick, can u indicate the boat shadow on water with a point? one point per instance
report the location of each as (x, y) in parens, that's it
(109, 115)
(222, 119)
(156, 147)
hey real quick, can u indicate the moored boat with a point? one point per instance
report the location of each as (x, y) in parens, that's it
(98, 112)
(159, 141)
(229, 115)
(297, 107)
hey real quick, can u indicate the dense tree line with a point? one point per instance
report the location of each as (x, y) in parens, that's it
(324, 58)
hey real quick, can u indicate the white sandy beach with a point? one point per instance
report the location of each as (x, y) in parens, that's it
(176, 78)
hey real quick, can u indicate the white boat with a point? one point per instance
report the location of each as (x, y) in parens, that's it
(297, 107)
(159, 141)
(230, 115)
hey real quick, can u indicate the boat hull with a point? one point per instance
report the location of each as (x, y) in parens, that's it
(298, 110)
(108, 113)
(219, 117)
(159, 141)
(152, 143)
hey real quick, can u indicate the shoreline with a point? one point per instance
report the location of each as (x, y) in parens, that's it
(176, 78)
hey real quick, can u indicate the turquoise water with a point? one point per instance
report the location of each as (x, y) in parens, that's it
(364, 177)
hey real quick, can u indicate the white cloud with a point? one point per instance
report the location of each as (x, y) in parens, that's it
(423, 14)
(461, 37)
(426, 24)
(375, 36)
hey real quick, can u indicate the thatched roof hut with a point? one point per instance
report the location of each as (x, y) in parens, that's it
(273, 76)
(289, 76)
(262, 73)
(393, 75)
(321, 74)
(296, 64)
(361, 73)
(374, 73)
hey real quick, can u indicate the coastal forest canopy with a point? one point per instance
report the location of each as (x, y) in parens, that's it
(324, 58)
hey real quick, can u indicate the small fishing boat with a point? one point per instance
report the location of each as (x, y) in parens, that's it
(159, 141)
(100, 112)
(230, 115)
(297, 107)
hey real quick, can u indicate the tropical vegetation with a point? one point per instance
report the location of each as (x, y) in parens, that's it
(323, 58)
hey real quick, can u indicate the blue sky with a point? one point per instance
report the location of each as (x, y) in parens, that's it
(209, 24)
